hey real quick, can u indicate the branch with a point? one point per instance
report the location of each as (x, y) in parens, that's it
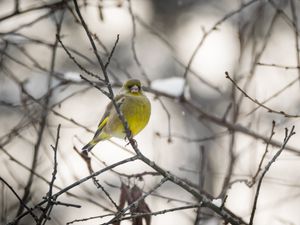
(285, 141)
(296, 34)
(20, 200)
(136, 215)
(43, 120)
(263, 157)
(259, 103)
(206, 34)
(51, 201)
(75, 184)
(123, 211)
(133, 42)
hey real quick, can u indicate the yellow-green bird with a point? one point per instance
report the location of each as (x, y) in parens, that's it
(134, 105)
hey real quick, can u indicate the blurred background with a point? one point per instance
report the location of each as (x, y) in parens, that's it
(202, 128)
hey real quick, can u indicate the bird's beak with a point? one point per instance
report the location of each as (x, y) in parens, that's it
(134, 89)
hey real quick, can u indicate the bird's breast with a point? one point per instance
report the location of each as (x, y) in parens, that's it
(137, 112)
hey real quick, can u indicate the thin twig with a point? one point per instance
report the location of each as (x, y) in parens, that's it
(274, 95)
(211, 30)
(20, 200)
(133, 42)
(278, 66)
(45, 215)
(259, 103)
(76, 62)
(263, 157)
(122, 211)
(287, 137)
(126, 217)
(112, 51)
(296, 34)
(75, 184)
(169, 119)
(87, 160)
(43, 120)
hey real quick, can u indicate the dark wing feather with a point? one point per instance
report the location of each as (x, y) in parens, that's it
(118, 99)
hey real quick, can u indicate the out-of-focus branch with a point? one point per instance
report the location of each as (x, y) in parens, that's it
(259, 103)
(58, 4)
(20, 200)
(296, 34)
(207, 33)
(133, 43)
(42, 122)
(224, 123)
(76, 62)
(258, 52)
(274, 95)
(136, 215)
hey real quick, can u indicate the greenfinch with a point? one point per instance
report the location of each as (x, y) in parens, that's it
(136, 109)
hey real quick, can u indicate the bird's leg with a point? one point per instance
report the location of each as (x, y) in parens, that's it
(128, 136)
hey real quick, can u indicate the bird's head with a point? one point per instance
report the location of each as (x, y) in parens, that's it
(132, 86)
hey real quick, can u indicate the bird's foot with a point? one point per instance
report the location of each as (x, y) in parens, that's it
(131, 141)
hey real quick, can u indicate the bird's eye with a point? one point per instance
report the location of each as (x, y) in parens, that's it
(135, 88)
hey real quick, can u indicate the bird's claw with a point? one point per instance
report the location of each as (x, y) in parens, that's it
(134, 142)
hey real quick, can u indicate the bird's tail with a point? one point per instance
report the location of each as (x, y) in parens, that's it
(88, 147)
(97, 138)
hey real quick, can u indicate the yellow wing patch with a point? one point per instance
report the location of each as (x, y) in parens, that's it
(103, 122)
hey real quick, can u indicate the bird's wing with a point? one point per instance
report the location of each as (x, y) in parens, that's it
(119, 100)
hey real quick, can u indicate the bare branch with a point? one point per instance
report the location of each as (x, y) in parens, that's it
(259, 103)
(287, 137)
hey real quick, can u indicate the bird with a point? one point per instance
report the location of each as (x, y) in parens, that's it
(135, 107)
